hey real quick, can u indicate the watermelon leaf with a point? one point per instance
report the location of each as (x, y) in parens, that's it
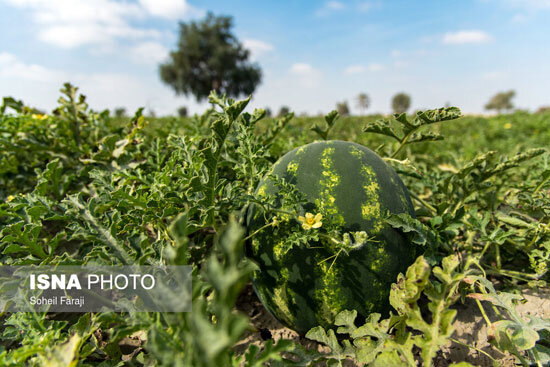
(330, 120)
(408, 133)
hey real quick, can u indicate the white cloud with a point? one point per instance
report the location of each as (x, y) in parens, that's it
(467, 36)
(366, 6)
(103, 82)
(106, 89)
(359, 69)
(334, 5)
(170, 9)
(149, 53)
(376, 67)
(531, 4)
(400, 64)
(540, 3)
(72, 35)
(494, 75)
(257, 47)
(69, 23)
(301, 68)
(13, 68)
(526, 9)
(63, 11)
(109, 90)
(355, 69)
(330, 7)
(395, 53)
(519, 18)
(39, 87)
(306, 75)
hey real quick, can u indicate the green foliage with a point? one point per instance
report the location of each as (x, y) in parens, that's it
(123, 197)
(119, 112)
(270, 353)
(342, 108)
(400, 103)
(284, 110)
(372, 343)
(501, 101)
(10, 102)
(461, 214)
(330, 120)
(210, 57)
(77, 186)
(363, 102)
(513, 333)
(405, 131)
(182, 111)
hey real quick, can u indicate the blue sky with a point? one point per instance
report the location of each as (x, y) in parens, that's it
(312, 53)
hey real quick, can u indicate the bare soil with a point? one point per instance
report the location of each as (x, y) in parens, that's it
(470, 329)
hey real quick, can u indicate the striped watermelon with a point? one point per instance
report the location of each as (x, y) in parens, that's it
(352, 188)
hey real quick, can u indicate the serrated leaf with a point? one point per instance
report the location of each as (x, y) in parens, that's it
(381, 127)
(331, 117)
(389, 358)
(421, 235)
(346, 321)
(235, 109)
(522, 337)
(319, 334)
(425, 136)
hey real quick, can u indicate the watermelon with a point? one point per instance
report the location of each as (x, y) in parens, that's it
(346, 189)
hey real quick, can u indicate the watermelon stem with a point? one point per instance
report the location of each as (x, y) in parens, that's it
(343, 246)
(424, 202)
(335, 256)
(495, 362)
(403, 142)
(259, 230)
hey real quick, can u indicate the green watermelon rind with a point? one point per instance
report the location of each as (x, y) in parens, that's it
(352, 185)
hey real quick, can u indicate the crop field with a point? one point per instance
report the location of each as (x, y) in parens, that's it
(79, 186)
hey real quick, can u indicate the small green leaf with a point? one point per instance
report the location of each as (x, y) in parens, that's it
(389, 358)
(331, 117)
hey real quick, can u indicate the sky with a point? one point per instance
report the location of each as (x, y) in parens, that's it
(313, 54)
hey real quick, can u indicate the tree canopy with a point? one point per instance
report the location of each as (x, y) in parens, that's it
(182, 111)
(283, 111)
(342, 108)
(401, 102)
(210, 57)
(363, 102)
(501, 101)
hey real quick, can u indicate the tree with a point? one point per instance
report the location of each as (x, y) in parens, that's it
(268, 112)
(342, 108)
(283, 111)
(120, 111)
(501, 101)
(182, 111)
(363, 102)
(401, 102)
(210, 57)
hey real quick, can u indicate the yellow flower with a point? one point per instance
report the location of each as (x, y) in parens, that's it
(10, 198)
(310, 221)
(507, 125)
(38, 116)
